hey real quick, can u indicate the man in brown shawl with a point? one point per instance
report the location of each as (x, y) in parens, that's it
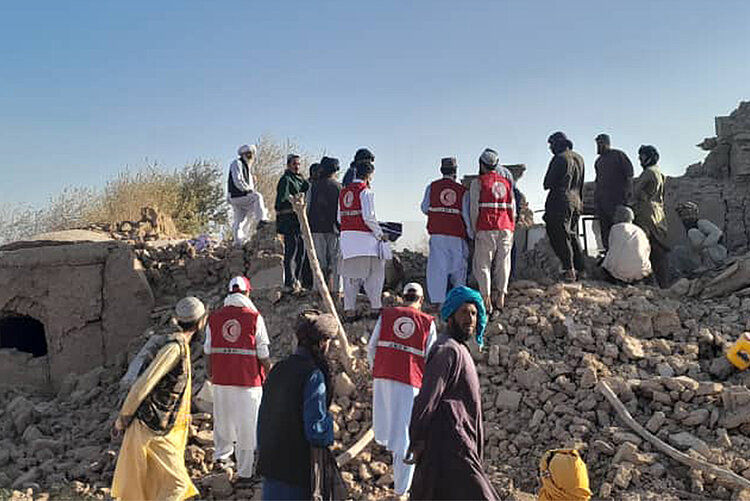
(446, 433)
(648, 206)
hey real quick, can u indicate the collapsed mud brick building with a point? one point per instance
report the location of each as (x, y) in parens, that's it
(67, 307)
(720, 184)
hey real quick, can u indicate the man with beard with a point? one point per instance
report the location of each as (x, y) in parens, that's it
(446, 435)
(564, 180)
(294, 415)
(614, 182)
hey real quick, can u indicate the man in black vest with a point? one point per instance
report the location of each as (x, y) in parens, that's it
(156, 417)
(294, 414)
(247, 203)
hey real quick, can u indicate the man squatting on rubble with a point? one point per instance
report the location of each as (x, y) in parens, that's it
(156, 419)
(361, 236)
(564, 204)
(614, 184)
(294, 414)
(446, 205)
(237, 352)
(493, 223)
(627, 259)
(297, 272)
(396, 352)
(448, 456)
(247, 203)
(702, 250)
(322, 212)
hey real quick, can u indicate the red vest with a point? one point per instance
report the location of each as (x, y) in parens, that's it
(350, 206)
(234, 361)
(446, 208)
(400, 353)
(495, 203)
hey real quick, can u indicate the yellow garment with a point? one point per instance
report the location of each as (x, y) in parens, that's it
(564, 476)
(152, 466)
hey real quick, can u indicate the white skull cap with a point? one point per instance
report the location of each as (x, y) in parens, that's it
(413, 287)
(490, 157)
(189, 309)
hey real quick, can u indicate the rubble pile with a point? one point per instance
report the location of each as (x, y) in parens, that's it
(153, 225)
(550, 347)
(544, 355)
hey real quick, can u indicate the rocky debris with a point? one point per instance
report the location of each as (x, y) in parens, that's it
(153, 225)
(545, 354)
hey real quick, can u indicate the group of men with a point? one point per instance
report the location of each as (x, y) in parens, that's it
(631, 215)
(423, 384)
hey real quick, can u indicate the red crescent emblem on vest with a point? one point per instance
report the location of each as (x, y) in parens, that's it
(404, 327)
(448, 197)
(231, 330)
(499, 190)
(348, 199)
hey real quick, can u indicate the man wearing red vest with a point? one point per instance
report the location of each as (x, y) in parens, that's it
(493, 221)
(238, 360)
(362, 260)
(446, 205)
(397, 352)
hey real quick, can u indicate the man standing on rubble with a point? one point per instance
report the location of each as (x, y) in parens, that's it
(297, 271)
(294, 419)
(493, 224)
(564, 180)
(156, 419)
(446, 205)
(247, 204)
(648, 207)
(361, 237)
(322, 212)
(446, 435)
(237, 362)
(396, 352)
(614, 183)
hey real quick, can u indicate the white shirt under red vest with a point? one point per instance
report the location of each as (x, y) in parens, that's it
(401, 344)
(360, 231)
(234, 342)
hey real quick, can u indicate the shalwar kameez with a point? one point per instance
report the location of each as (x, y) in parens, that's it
(392, 400)
(236, 407)
(362, 264)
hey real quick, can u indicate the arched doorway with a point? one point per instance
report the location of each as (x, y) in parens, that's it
(24, 333)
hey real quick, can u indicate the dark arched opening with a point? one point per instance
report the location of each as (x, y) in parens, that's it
(23, 333)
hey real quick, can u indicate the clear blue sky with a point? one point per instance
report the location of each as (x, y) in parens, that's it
(90, 87)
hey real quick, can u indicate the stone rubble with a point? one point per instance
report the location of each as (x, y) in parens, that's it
(543, 358)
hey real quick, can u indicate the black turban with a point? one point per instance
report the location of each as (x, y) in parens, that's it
(559, 142)
(329, 165)
(649, 154)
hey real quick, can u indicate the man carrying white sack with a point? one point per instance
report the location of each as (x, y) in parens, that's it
(238, 361)
(397, 351)
(247, 204)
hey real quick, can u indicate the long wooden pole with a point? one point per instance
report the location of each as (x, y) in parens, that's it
(299, 206)
(727, 476)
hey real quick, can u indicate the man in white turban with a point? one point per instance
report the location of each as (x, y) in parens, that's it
(247, 203)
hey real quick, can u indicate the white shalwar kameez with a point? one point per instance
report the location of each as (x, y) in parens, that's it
(392, 402)
(360, 252)
(448, 260)
(247, 208)
(236, 407)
